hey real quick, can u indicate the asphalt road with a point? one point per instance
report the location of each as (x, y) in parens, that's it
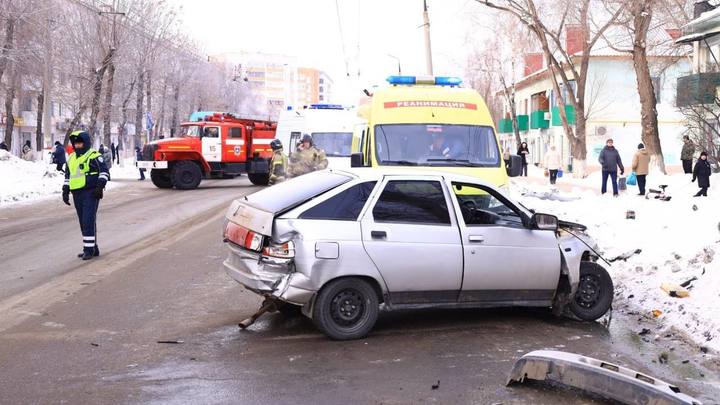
(88, 332)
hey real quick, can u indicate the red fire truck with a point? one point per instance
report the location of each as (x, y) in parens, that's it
(218, 145)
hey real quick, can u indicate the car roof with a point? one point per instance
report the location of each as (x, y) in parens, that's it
(368, 174)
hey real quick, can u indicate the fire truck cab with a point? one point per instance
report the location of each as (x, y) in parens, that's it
(219, 145)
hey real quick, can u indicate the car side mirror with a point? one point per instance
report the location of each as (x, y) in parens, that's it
(544, 222)
(514, 168)
(357, 160)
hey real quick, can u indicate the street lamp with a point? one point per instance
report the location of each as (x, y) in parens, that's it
(398, 62)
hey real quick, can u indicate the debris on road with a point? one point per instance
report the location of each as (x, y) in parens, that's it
(630, 214)
(687, 283)
(656, 312)
(94, 344)
(644, 331)
(436, 385)
(626, 255)
(674, 290)
(663, 358)
(596, 377)
(171, 342)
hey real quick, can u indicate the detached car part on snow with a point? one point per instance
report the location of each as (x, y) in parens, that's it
(597, 377)
(341, 245)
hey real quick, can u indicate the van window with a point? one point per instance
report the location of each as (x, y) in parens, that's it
(338, 144)
(412, 201)
(436, 145)
(345, 206)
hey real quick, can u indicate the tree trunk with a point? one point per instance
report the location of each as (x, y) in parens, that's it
(642, 16)
(176, 105)
(9, 119)
(123, 123)
(74, 122)
(161, 124)
(108, 103)
(510, 98)
(8, 46)
(148, 90)
(38, 122)
(97, 92)
(139, 108)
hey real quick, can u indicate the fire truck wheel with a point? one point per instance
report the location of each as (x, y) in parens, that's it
(186, 175)
(161, 178)
(259, 179)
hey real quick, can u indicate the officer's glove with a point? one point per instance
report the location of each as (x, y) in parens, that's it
(66, 194)
(98, 193)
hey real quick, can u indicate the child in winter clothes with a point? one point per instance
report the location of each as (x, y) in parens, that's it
(702, 173)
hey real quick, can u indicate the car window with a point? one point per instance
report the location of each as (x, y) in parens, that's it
(482, 206)
(345, 206)
(211, 132)
(412, 201)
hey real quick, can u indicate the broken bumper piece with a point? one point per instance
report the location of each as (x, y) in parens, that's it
(596, 376)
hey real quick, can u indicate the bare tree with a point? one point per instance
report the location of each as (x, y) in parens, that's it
(565, 67)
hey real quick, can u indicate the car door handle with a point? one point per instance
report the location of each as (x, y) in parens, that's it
(378, 234)
(476, 238)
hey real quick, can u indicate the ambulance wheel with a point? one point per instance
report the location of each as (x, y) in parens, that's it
(186, 175)
(161, 178)
(259, 179)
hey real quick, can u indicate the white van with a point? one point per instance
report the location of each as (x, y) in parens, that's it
(331, 126)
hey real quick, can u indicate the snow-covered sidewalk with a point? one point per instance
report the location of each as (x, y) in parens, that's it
(22, 181)
(678, 240)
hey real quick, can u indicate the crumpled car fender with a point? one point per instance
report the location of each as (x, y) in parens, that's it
(598, 377)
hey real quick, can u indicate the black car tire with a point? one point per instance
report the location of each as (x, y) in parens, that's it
(161, 178)
(186, 175)
(259, 179)
(346, 309)
(594, 294)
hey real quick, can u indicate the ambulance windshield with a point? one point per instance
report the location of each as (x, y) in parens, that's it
(191, 131)
(436, 145)
(336, 144)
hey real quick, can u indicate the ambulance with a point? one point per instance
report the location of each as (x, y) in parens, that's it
(331, 126)
(434, 124)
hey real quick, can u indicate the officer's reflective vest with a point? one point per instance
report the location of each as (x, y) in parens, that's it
(79, 168)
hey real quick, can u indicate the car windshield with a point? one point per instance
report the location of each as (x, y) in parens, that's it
(436, 145)
(289, 194)
(337, 144)
(191, 130)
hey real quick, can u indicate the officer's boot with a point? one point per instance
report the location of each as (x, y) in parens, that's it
(95, 253)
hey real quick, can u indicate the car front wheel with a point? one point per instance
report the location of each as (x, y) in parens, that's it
(594, 294)
(346, 309)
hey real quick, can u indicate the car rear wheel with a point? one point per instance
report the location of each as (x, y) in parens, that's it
(259, 179)
(161, 178)
(186, 175)
(346, 309)
(594, 294)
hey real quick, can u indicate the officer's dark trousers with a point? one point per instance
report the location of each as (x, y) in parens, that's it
(86, 206)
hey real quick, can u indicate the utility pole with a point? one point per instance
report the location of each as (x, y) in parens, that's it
(428, 48)
(47, 84)
(398, 62)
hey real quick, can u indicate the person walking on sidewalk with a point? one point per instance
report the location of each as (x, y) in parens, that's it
(686, 155)
(641, 167)
(524, 152)
(85, 177)
(553, 163)
(702, 173)
(58, 156)
(610, 161)
(138, 157)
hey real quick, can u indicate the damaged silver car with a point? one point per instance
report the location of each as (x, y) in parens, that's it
(342, 245)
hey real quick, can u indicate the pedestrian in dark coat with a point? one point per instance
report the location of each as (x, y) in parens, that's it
(138, 157)
(117, 152)
(686, 155)
(523, 152)
(610, 161)
(113, 152)
(702, 173)
(58, 156)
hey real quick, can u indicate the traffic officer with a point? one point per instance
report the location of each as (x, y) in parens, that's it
(279, 162)
(307, 159)
(85, 176)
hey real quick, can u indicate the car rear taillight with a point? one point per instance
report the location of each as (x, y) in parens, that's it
(243, 237)
(280, 250)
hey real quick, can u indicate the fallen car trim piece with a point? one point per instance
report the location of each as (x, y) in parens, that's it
(598, 377)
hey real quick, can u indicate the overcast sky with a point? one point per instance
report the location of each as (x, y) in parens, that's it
(309, 30)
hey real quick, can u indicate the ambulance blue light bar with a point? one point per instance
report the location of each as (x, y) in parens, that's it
(437, 80)
(326, 107)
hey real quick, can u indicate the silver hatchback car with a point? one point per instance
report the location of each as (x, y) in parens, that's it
(343, 245)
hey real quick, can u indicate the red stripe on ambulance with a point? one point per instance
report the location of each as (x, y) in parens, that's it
(421, 103)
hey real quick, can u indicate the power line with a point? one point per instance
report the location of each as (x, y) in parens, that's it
(342, 38)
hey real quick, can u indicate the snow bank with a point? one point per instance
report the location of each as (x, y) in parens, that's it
(679, 239)
(23, 181)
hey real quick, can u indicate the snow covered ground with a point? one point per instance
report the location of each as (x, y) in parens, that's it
(679, 240)
(26, 182)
